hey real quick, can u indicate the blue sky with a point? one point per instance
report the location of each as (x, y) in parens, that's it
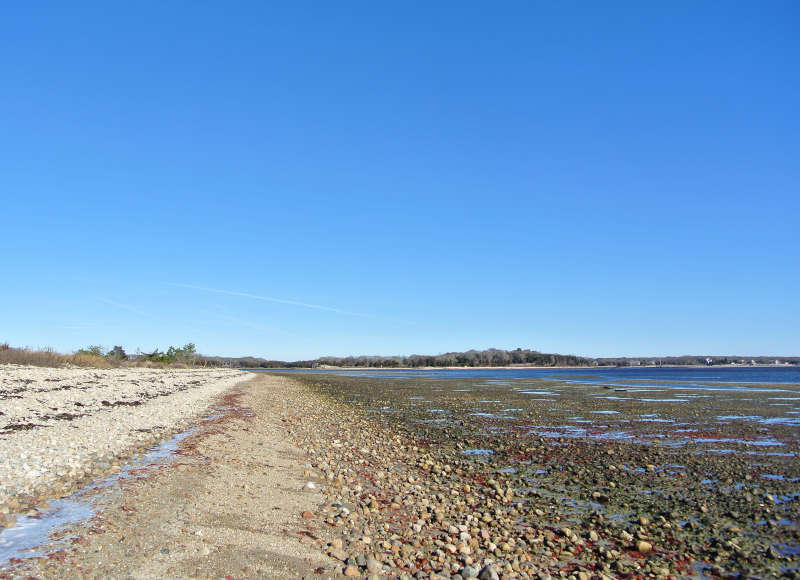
(298, 179)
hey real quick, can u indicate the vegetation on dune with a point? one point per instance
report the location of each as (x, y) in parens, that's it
(97, 356)
(47, 357)
(184, 354)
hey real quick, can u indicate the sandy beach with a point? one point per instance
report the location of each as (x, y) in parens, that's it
(60, 427)
(322, 476)
(230, 504)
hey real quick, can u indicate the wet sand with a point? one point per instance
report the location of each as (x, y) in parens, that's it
(230, 504)
(63, 427)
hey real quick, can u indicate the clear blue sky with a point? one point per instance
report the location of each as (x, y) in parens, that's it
(405, 177)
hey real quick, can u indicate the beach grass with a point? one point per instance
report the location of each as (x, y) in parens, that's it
(47, 357)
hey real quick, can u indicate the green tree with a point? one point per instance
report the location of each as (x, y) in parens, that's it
(117, 353)
(94, 349)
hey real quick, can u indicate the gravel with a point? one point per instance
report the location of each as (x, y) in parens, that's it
(60, 427)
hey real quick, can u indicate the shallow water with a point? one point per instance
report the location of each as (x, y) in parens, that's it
(23, 540)
(776, 375)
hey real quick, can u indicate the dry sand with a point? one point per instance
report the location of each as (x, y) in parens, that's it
(230, 506)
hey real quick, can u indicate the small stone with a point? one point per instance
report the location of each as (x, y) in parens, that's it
(373, 566)
(307, 515)
(772, 552)
(644, 547)
(351, 571)
(489, 572)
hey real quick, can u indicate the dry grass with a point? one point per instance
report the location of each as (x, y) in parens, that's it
(49, 358)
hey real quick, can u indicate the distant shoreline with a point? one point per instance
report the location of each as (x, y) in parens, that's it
(520, 367)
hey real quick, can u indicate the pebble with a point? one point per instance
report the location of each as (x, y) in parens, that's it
(432, 512)
(93, 418)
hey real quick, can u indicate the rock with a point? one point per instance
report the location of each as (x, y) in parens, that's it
(643, 547)
(470, 572)
(772, 552)
(339, 554)
(351, 571)
(307, 515)
(373, 566)
(489, 572)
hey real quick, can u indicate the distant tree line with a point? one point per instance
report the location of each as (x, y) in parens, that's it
(471, 358)
(694, 360)
(491, 357)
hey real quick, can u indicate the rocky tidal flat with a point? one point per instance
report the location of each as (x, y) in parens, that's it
(63, 427)
(461, 478)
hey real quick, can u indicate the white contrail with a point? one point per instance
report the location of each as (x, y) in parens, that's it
(255, 326)
(269, 299)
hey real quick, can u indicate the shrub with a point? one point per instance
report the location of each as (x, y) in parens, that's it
(95, 350)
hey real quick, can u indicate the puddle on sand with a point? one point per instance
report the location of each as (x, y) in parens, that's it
(25, 538)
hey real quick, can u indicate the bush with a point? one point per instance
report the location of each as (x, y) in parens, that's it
(117, 353)
(95, 350)
(94, 356)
